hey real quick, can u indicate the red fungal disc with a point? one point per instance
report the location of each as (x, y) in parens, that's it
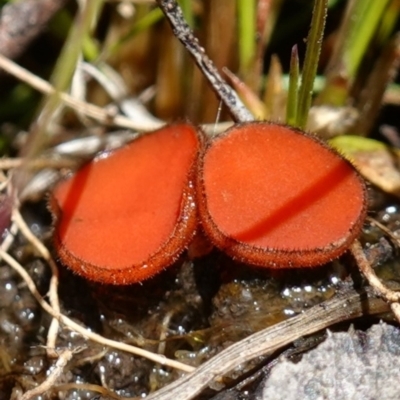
(274, 196)
(128, 214)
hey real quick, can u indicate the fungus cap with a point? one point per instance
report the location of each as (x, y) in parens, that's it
(274, 196)
(128, 214)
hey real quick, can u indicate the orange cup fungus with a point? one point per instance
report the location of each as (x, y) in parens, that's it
(128, 214)
(267, 194)
(274, 196)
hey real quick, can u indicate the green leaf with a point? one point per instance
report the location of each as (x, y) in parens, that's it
(349, 144)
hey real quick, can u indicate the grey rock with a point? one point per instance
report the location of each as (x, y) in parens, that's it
(346, 366)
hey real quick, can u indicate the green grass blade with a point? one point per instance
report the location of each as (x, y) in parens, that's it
(314, 42)
(247, 28)
(63, 73)
(365, 19)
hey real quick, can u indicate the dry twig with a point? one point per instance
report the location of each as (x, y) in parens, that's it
(108, 394)
(346, 306)
(184, 33)
(101, 115)
(37, 163)
(54, 373)
(53, 288)
(21, 22)
(383, 291)
(384, 229)
(82, 330)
